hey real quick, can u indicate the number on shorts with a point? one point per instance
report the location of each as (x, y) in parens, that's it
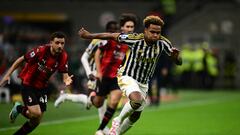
(43, 99)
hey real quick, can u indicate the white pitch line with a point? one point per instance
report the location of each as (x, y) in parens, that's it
(167, 107)
(55, 122)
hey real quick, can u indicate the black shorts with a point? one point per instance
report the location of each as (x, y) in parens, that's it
(106, 85)
(32, 96)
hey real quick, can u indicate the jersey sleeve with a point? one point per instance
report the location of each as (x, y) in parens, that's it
(92, 47)
(33, 54)
(101, 44)
(167, 45)
(63, 67)
(130, 39)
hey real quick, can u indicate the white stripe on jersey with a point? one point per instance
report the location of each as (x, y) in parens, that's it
(142, 60)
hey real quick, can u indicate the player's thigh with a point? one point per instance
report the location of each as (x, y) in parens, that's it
(129, 85)
(35, 111)
(115, 96)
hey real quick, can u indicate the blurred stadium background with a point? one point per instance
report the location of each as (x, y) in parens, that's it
(201, 97)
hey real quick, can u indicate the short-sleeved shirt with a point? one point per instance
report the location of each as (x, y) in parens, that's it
(40, 65)
(142, 59)
(113, 54)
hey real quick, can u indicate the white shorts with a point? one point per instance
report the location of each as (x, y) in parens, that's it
(128, 85)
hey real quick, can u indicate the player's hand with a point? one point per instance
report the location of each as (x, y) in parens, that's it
(4, 81)
(83, 33)
(68, 80)
(92, 77)
(175, 52)
(175, 56)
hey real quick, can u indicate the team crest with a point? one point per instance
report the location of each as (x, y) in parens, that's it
(32, 54)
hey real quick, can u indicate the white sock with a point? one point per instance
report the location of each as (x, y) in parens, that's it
(102, 110)
(126, 111)
(126, 125)
(79, 98)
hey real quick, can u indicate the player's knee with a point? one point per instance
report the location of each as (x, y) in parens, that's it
(135, 116)
(98, 104)
(136, 104)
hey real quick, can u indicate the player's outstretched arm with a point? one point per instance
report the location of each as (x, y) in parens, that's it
(87, 35)
(15, 65)
(176, 57)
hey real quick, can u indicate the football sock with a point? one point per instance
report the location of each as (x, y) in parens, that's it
(25, 129)
(126, 111)
(102, 110)
(106, 118)
(126, 125)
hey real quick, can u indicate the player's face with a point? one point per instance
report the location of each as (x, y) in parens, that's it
(113, 28)
(152, 33)
(128, 27)
(57, 45)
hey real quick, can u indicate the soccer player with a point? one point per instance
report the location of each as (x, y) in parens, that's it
(41, 63)
(112, 55)
(89, 65)
(139, 66)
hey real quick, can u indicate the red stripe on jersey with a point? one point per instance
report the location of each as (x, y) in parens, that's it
(113, 55)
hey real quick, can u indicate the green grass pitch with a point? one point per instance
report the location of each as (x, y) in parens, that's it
(192, 113)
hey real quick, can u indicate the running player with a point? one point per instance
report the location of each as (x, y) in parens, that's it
(90, 69)
(113, 55)
(139, 67)
(41, 63)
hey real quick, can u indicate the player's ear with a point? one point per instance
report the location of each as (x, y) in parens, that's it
(145, 30)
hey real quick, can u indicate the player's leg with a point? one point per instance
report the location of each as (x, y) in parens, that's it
(115, 97)
(136, 95)
(135, 102)
(17, 109)
(35, 116)
(77, 98)
(35, 102)
(102, 110)
(97, 97)
(128, 122)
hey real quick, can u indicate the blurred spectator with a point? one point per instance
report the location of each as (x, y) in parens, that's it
(187, 67)
(3, 62)
(230, 69)
(212, 66)
(199, 67)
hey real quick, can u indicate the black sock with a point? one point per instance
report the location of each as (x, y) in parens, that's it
(106, 118)
(25, 129)
(22, 109)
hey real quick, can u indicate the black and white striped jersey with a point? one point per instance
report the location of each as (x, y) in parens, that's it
(142, 59)
(91, 49)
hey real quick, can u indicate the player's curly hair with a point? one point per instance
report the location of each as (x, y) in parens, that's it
(152, 19)
(125, 17)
